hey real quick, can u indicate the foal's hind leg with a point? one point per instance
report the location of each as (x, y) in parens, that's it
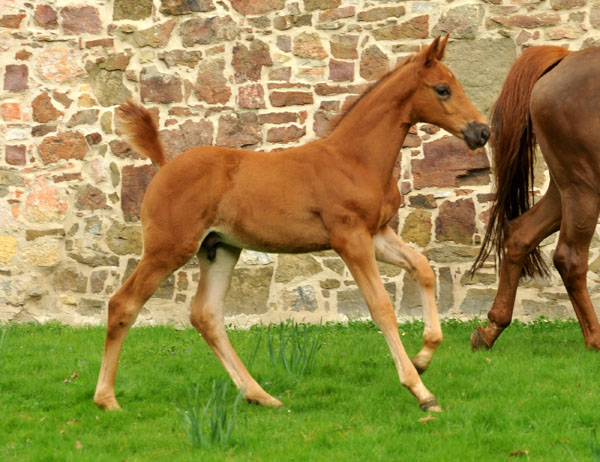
(523, 236)
(207, 318)
(356, 248)
(123, 309)
(580, 216)
(390, 248)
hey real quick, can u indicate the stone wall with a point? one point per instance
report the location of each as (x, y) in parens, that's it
(257, 74)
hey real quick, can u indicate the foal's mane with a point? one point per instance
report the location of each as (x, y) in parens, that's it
(342, 115)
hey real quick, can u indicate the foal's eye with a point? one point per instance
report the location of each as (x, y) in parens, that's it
(443, 91)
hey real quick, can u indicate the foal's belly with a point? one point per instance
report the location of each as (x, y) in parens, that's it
(268, 230)
(272, 242)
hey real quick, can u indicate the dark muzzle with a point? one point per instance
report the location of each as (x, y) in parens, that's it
(476, 134)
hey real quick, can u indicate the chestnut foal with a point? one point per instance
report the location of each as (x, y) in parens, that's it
(335, 193)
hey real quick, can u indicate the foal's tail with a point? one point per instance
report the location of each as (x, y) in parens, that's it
(140, 130)
(513, 145)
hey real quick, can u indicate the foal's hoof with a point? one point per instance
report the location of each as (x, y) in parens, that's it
(477, 340)
(419, 367)
(107, 404)
(431, 406)
(262, 399)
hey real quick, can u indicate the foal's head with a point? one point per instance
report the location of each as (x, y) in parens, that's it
(440, 100)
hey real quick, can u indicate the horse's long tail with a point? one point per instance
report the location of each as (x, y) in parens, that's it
(140, 130)
(513, 145)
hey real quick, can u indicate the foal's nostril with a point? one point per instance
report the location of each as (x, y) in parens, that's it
(476, 134)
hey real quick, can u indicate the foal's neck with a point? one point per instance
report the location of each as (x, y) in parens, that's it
(373, 131)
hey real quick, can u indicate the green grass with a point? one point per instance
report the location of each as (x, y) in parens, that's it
(292, 347)
(212, 424)
(535, 396)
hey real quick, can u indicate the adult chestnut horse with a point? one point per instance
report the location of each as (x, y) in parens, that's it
(553, 96)
(338, 192)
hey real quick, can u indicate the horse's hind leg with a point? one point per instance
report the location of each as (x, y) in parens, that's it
(580, 216)
(123, 309)
(207, 317)
(389, 248)
(523, 236)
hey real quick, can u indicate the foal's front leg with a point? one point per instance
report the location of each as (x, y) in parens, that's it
(355, 246)
(389, 248)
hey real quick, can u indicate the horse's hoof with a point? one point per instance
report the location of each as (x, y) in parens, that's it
(593, 345)
(477, 340)
(431, 406)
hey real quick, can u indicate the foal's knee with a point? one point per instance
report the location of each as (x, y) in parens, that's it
(119, 314)
(383, 314)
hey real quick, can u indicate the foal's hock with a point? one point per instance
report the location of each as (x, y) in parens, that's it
(335, 193)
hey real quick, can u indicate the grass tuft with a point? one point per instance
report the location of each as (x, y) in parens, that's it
(252, 356)
(214, 423)
(295, 348)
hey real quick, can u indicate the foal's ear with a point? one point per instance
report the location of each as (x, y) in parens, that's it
(442, 47)
(435, 51)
